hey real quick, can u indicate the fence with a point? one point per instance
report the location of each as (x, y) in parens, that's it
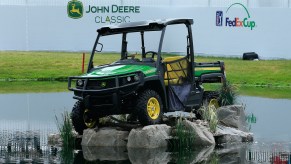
(268, 157)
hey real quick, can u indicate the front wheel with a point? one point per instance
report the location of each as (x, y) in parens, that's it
(82, 118)
(149, 107)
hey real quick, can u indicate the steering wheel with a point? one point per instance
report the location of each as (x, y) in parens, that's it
(151, 52)
(131, 55)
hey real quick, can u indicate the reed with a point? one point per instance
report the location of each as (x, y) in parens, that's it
(183, 137)
(227, 94)
(208, 114)
(65, 128)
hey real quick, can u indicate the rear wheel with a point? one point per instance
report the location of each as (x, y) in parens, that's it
(82, 118)
(149, 107)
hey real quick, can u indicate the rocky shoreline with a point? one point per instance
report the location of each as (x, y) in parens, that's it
(231, 128)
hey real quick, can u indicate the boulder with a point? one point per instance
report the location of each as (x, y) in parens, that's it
(232, 116)
(203, 136)
(104, 137)
(231, 135)
(152, 136)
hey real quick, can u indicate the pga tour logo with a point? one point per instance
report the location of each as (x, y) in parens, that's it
(235, 22)
(219, 16)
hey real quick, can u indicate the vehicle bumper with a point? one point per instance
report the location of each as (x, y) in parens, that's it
(105, 101)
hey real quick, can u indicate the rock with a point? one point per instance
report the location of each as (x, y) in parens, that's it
(231, 135)
(54, 139)
(232, 116)
(203, 136)
(91, 153)
(152, 136)
(104, 137)
(147, 156)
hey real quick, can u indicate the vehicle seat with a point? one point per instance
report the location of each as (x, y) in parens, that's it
(175, 69)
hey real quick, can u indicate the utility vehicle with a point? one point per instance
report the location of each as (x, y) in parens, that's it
(147, 80)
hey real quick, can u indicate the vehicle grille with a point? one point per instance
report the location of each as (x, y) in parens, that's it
(100, 84)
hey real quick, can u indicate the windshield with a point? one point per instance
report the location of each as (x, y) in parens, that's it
(116, 48)
(141, 47)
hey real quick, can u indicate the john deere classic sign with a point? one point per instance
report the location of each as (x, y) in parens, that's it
(75, 9)
(102, 14)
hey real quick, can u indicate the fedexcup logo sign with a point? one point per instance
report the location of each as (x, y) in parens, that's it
(235, 22)
(75, 9)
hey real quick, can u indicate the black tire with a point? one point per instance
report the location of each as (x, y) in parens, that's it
(142, 105)
(77, 117)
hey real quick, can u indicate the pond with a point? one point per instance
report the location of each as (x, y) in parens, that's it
(27, 119)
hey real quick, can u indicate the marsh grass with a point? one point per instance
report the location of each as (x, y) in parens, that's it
(65, 128)
(209, 114)
(227, 94)
(213, 159)
(183, 137)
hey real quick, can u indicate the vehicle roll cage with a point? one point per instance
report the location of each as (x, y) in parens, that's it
(144, 26)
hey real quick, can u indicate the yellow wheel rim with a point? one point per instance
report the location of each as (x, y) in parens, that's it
(153, 108)
(213, 102)
(89, 121)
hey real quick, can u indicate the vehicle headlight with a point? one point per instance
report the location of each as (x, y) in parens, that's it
(128, 79)
(136, 78)
(80, 82)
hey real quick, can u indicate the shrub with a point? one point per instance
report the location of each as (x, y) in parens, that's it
(227, 94)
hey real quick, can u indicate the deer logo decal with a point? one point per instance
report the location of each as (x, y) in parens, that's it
(75, 9)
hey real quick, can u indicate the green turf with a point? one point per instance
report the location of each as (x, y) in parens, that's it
(45, 65)
(274, 74)
(33, 86)
(255, 73)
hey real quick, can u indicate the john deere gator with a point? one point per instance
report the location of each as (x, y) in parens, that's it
(144, 81)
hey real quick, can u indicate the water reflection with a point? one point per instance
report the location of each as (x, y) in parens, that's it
(272, 118)
(27, 119)
(105, 153)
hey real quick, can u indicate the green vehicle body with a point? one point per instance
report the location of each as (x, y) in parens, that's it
(122, 69)
(146, 87)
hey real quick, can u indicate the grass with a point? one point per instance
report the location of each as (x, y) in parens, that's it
(65, 128)
(183, 137)
(227, 94)
(59, 65)
(264, 72)
(46, 65)
(33, 86)
(208, 114)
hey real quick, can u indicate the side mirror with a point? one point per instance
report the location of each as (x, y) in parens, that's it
(99, 47)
